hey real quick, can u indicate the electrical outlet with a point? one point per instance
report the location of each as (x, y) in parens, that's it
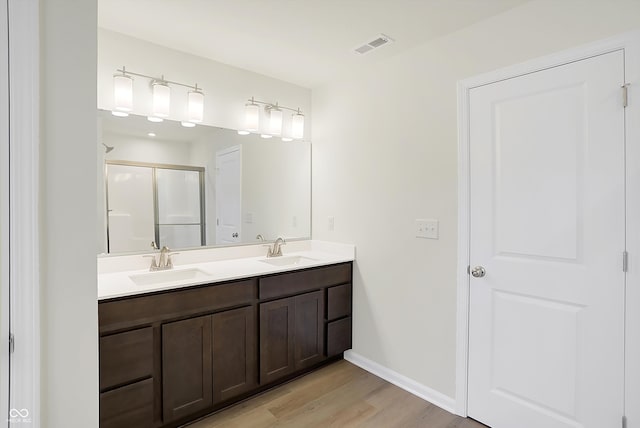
(427, 228)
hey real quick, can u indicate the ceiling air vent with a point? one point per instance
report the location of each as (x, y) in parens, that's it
(377, 42)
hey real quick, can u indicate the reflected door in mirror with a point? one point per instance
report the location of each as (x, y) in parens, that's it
(228, 195)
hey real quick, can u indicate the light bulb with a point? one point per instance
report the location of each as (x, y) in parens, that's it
(195, 106)
(275, 121)
(242, 132)
(251, 117)
(161, 99)
(297, 126)
(122, 93)
(187, 124)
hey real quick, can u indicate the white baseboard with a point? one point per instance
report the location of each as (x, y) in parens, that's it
(432, 396)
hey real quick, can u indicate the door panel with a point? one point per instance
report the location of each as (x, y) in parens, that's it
(186, 367)
(547, 224)
(235, 358)
(276, 339)
(309, 329)
(228, 195)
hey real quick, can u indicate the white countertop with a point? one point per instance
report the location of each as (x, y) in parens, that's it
(212, 265)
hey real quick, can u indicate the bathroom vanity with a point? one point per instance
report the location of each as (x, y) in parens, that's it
(173, 355)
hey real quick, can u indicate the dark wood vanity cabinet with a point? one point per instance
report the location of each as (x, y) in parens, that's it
(167, 358)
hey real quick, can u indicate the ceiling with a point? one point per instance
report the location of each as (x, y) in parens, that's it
(305, 42)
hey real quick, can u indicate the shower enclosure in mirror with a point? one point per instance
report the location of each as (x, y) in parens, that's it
(202, 186)
(154, 205)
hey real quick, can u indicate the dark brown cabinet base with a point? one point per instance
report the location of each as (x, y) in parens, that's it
(167, 358)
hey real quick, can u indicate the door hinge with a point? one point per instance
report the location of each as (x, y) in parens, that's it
(624, 422)
(625, 261)
(12, 343)
(625, 95)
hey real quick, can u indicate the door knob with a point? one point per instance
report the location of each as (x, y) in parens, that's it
(478, 272)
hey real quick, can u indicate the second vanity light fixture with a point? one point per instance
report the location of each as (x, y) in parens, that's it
(274, 122)
(161, 96)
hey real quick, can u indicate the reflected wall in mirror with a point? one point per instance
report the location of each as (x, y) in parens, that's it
(184, 187)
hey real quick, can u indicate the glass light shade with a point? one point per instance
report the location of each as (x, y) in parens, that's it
(251, 117)
(195, 106)
(266, 135)
(187, 124)
(161, 99)
(154, 119)
(297, 126)
(287, 139)
(242, 132)
(122, 93)
(275, 122)
(119, 113)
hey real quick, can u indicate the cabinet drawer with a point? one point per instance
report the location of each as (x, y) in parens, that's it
(338, 336)
(130, 312)
(129, 406)
(307, 280)
(338, 302)
(126, 357)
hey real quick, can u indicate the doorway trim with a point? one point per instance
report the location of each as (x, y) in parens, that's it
(630, 43)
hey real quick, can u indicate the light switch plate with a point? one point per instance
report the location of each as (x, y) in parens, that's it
(427, 228)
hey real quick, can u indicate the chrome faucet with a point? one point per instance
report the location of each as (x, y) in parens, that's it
(276, 250)
(163, 262)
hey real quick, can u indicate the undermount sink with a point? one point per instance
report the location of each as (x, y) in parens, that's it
(288, 260)
(166, 276)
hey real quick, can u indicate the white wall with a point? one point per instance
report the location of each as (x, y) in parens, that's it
(385, 154)
(69, 313)
(226, 88)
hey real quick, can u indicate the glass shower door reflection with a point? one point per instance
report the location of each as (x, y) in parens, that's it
(179, 215)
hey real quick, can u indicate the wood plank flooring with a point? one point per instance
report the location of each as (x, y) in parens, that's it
(339, 395)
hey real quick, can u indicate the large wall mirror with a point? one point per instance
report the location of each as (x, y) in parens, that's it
(165, 184)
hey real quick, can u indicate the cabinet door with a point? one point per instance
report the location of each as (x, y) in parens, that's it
(235, 359)
(276, 339)
(309, 329)
(186, 367)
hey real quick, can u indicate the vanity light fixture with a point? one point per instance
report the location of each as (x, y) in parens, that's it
(187, 124)
(242, 132)
(122, 94)
(275, 119)
(151, 134)
(161, 97)
(287, 139)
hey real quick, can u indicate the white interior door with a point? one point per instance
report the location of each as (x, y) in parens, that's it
(547, 224)
(4, 216)
(131, 219)
(228, 195)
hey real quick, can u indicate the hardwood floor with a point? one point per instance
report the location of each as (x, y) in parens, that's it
(339, 395)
